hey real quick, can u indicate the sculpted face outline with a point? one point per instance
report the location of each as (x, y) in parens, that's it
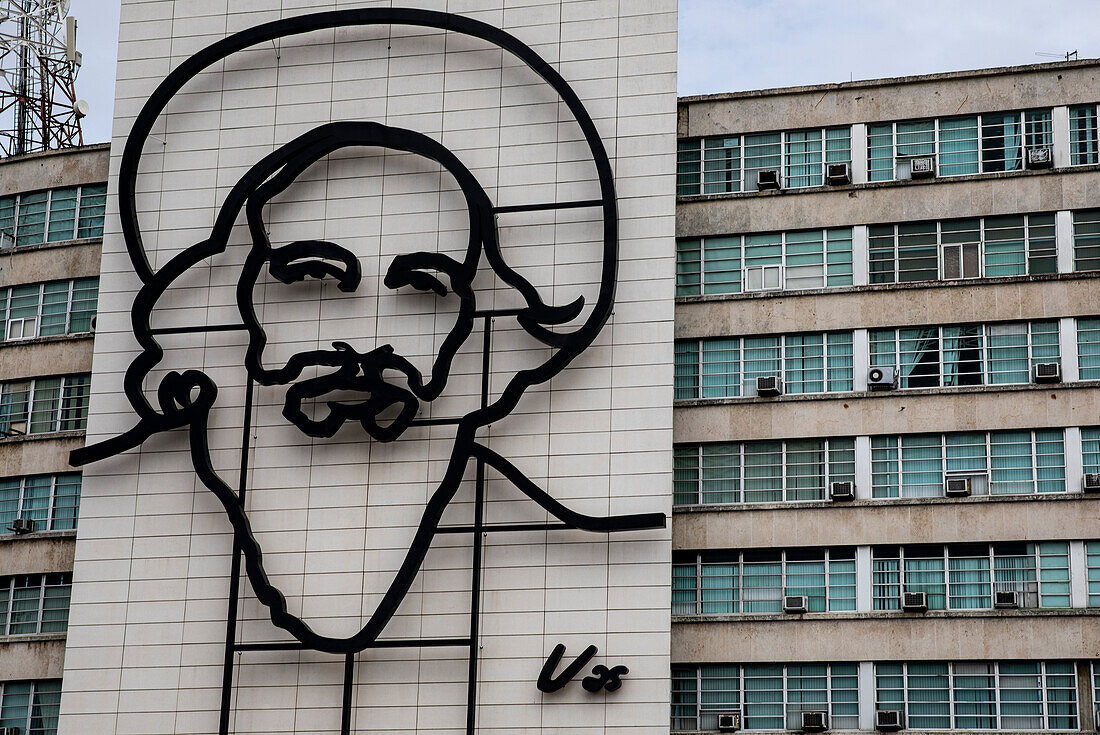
(186, 398)
(362, 374)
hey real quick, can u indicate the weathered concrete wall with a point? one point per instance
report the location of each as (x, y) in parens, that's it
(37, 455)
(1071, 517)
(897, 201)
(899, 412)
(46, 356)
(986, 636)
(53, 169)
(51, 262)
(959, 93)
(943, 302)
(37, 553)
(40, 657)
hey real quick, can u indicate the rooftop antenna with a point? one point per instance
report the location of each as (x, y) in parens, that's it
(1067, 56)
(39, 109)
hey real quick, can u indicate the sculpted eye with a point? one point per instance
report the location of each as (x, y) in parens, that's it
(316, 259)
(413, 269)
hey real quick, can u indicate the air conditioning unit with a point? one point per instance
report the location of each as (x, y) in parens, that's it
(1046, 372)
(889, 720)
(814, 721)
(842, 491)
(1097, 720)
(1007, 600)
(9, 731)
(1039, 158)
(796, 604)
(91, 328)
(769, 386)
(922, 167)
(838, 174)
(882, 378)
(22, 525)
(956, 487)
(729, 721)
(914, 601)
(768, 179)
(1091, 483)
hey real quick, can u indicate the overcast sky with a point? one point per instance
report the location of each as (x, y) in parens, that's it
(730, 45)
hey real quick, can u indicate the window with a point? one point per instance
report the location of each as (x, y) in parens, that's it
(1086, 240)
(725, 164)
(726, 367)
(793, 260)
(43, 405)
(725, 582)
(35, 603)
(1088, 348)
(31, 706)
(761, 472)
(962, 145)
(1092, 565)
(52, 501)
(770, 697)
(1082, 135)
(969, 248)
(997, 463)
(966, 576)
(51, 216)
(47, 309)
(972, 354)
(1007, 695)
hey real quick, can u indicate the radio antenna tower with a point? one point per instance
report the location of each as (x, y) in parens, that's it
(38, 65)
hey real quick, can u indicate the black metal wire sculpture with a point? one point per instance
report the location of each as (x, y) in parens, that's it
(186, 398)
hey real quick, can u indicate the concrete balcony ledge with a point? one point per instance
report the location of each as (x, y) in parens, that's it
(75, 243)
(892, 184)
(52, 339)
(885, 502)
(47, 436)
(8, 640)
(7, 536)
(896, 393)
(901, 617)
(886, 287)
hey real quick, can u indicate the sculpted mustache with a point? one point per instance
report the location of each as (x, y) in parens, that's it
(358, 373)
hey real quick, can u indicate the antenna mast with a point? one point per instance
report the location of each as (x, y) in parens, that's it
(38, 66)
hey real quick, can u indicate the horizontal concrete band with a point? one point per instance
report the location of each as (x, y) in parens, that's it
(37, 554)
(929, 95)
(52, 262)
(1047, 519)
(899, 412)
(877, 307)
(46, 356)
(32, 657)
(55, 169)
(902, 638)
(38, 454)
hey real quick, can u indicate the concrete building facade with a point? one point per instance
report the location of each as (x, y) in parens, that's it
(885, 507)
(51, 228)
(169, 633)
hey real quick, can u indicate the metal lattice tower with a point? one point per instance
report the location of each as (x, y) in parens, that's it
(38, 65)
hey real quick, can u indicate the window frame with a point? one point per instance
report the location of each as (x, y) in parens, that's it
(34, 703)
(71, 388)
(988, 359)
(691, 159)
(1087, 150)
(74, 287)
(938, 140)
(92, 219)
(43, 583)
(691, 358)
(57, 513)
(1031, 254)
(895, 459)
(998, 694)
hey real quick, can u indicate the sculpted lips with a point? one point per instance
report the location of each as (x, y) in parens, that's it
(360, 374)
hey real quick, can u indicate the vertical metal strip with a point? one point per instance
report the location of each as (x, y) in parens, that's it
(345, 713)
(235, 573)
(479, 523)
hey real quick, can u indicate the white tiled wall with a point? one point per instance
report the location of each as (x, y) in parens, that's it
(147, 625)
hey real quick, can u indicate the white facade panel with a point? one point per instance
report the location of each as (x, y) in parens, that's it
(335, 517)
